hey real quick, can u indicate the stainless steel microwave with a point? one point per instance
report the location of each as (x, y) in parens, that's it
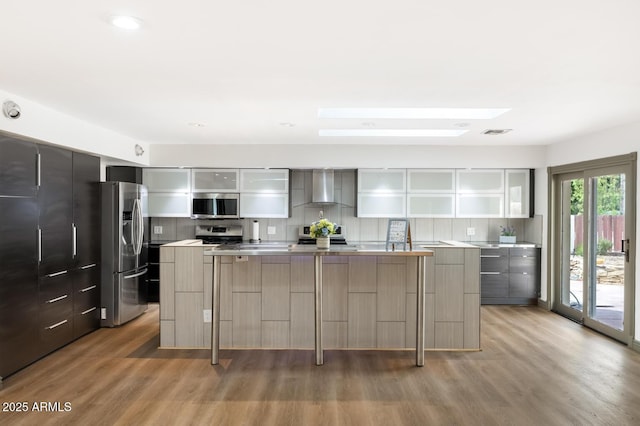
(215, 206)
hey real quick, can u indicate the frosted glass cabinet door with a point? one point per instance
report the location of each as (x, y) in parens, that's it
(480, 181)
(167, 180)
(382, 180)
(163, 204)
(431, 205)
(381, 205)
(264, 180)
(517, 193)
(264, 205)
(431, 180)
(214, 180)
(480, 205)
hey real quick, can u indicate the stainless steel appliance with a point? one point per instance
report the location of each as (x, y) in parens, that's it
(124, 253)
(304, 236)
(217, 234)
(215, 205)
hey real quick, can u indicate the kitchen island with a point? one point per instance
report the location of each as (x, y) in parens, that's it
(369, 296)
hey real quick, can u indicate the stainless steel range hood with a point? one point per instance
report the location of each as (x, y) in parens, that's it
(323, 187)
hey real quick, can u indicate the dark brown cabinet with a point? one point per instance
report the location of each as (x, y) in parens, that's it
(19, 324)
(49, 249)
(509, 276)
(86, 244)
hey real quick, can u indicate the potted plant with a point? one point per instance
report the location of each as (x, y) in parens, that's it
(507, 235)
(321, 230)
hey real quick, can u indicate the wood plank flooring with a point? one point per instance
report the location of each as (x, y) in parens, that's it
(536, 368)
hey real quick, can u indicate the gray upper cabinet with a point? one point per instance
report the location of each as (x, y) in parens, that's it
(215, 180)
(479, 193)
(169, 192)
(431, 192)
(382, 193)
(518, 193)
(264, 193)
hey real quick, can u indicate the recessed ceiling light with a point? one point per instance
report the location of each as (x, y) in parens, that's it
(413, 113)
(392, 132)
(126, 22)
(496, 131)
(287, 124)
(195, 124)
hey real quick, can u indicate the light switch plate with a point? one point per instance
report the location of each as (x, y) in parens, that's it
(157, 229)
(471, 231)
(271, 230)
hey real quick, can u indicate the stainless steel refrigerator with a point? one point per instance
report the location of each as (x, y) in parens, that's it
(124, 253)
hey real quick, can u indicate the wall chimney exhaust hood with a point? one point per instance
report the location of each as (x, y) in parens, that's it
(322, 187)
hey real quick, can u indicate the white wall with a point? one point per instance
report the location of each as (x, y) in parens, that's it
(608, 143)
(348, 156)
(51, 126)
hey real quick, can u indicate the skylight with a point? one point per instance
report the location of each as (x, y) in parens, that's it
(413, 113)
(393, 132)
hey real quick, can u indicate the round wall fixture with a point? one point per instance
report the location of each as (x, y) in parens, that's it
(138, 149)
(11, 110)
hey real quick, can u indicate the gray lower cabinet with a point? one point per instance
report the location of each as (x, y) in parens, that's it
(510, 276)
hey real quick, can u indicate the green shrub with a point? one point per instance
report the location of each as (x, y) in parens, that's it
(604, 246)
(578, 251)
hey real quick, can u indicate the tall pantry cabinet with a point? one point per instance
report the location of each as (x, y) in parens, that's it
(19, 324)
(49, 249)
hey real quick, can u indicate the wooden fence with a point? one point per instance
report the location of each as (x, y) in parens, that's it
(609, 227)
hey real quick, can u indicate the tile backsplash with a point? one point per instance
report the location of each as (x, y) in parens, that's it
(303, 212)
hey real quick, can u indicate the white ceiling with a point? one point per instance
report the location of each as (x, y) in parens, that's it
(244, 68)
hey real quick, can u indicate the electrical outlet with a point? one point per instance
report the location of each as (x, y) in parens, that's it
(271, 230)
(471, 231)
(242, 258)
(157, 230)
(206, 315)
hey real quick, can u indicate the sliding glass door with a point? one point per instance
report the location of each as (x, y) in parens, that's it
(594, 228)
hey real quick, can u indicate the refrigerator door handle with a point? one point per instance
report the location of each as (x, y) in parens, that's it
(137, 227)
(135, 275)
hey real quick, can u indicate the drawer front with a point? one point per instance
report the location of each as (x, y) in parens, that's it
(494, 264)
(495, 251)
(86, 321)
(55, 333)
(494, 285)
(521, 265)
(52, 289)
(522, 285)
(86, 288)
(523, 251)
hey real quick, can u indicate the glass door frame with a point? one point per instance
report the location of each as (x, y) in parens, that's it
(557, 240)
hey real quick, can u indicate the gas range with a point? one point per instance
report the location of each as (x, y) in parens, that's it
(304, 236)
(218, 234)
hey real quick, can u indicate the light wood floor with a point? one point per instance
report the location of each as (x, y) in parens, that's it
(536, 368)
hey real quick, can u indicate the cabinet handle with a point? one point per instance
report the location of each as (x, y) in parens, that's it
(84, 290)
(490, 273)
(88, 310)
(490, 255)
(525, 273)
(57, 274)
(88, 266)
(57, 299)
(38, 175)
(39, 245)
(74, 236)
(58, 324)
